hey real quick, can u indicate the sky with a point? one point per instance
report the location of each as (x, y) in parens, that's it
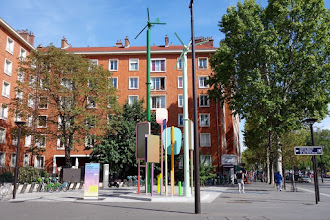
(101, 23)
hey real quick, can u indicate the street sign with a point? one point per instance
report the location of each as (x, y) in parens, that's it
(308, 150)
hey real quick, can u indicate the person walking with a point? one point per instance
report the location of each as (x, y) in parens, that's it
(278, 180)
(240, 181)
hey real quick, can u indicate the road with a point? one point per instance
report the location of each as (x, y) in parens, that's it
(309, 187)
(260, 201)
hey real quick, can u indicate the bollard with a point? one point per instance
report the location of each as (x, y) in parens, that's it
(179, 188)
(158, 182)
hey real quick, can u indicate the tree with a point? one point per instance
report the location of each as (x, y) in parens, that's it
(117, 147)
(73, 93)
(273, 65)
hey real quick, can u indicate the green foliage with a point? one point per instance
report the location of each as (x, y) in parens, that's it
(6, 177)
(322, 138)
(70, 85)
(273, 63)
(117, 148)
(31, 174)
(206, 172)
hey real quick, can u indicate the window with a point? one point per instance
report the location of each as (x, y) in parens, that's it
(202, 82)
(202, 63)
(132, 99)
(41, 141)
(60, 123)
(29, 121)
(13, 160)
(91, 121)
(43, 103)
(94, 61)
(113, 65)
(26, 160)
(39, 162)
(114, 82)
(180, 82)
(158, 102)
(179, 64)
(2, 159)
(67, 83)
(204, 101)
(32, 81)
(133, 83)
(90, 141)
(204, 120)
(66, 102)
(14, 139)
(2, 135)
(8, 67)
(112, 100)
(180, 101)
(91, 102)
(157, 83)
(20, 75)
(205, 139)
(19, 95)
(31, 101)
(60, 143)
(206, 160)
(18, 116)
(4, 112)
(10, 45)
(42, 121)
(133, 64)
(22, 54)
(28, 140)
(44, 84)
(181, 162)
(180, 120)
(158, 65)
(5, 89)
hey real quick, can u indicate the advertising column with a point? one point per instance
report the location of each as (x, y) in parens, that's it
(91, 186)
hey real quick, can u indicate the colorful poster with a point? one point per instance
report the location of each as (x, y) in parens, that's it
(91, 185)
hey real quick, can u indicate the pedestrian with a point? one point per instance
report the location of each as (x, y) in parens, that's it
(240, 181)
(278, 180)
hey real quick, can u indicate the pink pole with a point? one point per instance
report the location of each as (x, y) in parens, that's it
(146, 179)
(152, 179)
(161, 158)
(138, 183)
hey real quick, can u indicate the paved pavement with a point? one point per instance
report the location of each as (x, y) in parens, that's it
(260, 201)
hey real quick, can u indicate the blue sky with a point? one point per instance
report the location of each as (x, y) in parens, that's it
(102, 22)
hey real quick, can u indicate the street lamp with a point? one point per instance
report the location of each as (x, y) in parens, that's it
(310, 122)
(19, 124)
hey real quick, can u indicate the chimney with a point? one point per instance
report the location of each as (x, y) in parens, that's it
(126, 42)
(166, 41)
(28, 36)
(119, 43)
(64, 43)
(201, 39)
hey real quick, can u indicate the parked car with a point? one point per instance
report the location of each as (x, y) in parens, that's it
(326, 175)
(304, 179)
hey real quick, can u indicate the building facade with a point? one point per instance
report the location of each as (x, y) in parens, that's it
(218, 129)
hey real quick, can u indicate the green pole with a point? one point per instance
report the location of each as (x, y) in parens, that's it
(179, 188)
(148, 95)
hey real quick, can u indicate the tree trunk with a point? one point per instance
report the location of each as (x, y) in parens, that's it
(268, 160)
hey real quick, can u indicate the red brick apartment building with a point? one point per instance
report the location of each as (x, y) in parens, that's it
(218, 129)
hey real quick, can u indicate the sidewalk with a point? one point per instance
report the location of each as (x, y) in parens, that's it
(121, 194)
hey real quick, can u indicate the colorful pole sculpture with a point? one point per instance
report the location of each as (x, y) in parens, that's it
(149, 25)
(166, 169)
(183, 56)
(161, 119)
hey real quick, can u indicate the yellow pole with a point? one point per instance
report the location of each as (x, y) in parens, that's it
(172, 161)
(158, 181)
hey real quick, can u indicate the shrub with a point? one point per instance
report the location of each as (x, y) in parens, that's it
(31, 174)
(6, 177)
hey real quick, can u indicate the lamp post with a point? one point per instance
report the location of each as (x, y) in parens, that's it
(19, 124)
(310, 122)
(196, 151)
